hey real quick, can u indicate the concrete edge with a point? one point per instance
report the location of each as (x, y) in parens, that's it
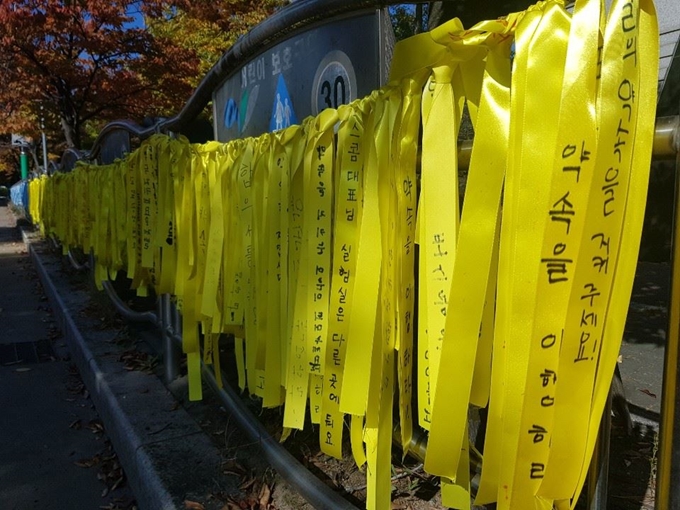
(143, 475)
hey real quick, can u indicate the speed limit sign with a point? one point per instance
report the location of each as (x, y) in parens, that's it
(335, 82)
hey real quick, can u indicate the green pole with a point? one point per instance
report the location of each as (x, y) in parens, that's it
(24, 164)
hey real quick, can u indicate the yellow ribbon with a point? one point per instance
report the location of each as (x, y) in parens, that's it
(301, 245)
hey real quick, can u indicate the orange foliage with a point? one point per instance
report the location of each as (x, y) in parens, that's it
(85, 60)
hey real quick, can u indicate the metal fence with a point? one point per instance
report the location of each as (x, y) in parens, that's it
(347, 80)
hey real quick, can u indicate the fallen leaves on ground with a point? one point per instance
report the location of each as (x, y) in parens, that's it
(134, 360)
(98, 312)
(96, 426)
(255, 493)
(120, 504)
(88, 463)
(110, 471)
(265, 496)
(231, 467)
(75, 384)
(54, 333)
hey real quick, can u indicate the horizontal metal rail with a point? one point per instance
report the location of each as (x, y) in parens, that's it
(315, 491)
(125, 310)
(666, 138)
(665, 147)
(77, 265)
(301, 479)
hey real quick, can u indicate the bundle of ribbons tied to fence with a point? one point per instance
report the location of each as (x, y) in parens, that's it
(359, 279)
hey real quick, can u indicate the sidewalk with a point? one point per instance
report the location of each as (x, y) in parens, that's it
(169, 460)
(642, 350)
(53, 449)
(632, 468)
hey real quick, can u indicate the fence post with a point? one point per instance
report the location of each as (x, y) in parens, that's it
(170, 350)
(23, 158)
(598, 473)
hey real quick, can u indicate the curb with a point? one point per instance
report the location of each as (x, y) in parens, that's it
(166, 456)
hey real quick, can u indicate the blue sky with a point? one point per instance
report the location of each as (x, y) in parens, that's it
(138, 18)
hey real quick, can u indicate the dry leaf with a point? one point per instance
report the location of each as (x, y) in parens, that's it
(265, 496)
(647, 392)
(247, 484)
(95, 426)
(193, 505)
(117, 484)
(88, 463)
(231, 467)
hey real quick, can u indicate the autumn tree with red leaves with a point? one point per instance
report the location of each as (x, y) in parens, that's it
(208, 27)
(91, 61)
(85, 60)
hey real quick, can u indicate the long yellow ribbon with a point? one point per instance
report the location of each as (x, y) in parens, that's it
(301, 245)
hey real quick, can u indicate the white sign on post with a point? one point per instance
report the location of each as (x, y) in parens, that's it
(19, 139)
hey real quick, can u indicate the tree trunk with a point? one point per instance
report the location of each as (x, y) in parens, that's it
(68, 115)
(69, 132)
(434, 17)
(419, 19)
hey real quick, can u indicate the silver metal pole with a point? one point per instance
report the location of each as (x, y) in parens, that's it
(170, 349)
(44, 144)
(176, 320)
(124, 309)
(44, 139)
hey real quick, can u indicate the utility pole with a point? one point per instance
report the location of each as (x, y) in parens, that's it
(44, 139)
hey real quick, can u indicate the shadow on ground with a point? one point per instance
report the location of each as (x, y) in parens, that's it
(631, 472)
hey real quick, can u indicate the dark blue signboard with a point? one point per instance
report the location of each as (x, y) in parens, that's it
(324, 66)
